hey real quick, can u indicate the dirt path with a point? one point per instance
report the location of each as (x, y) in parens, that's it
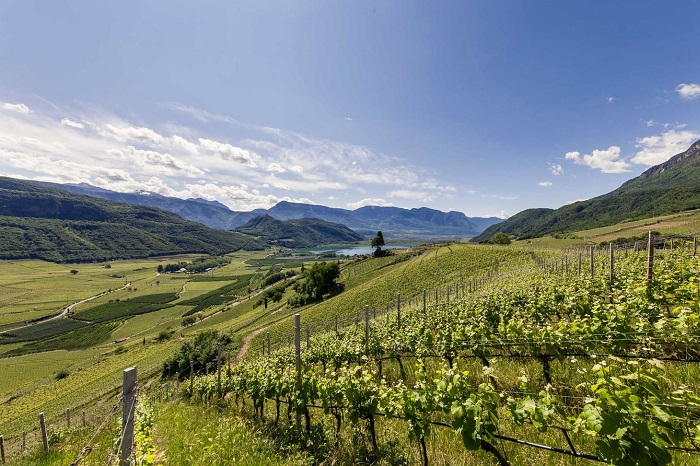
(246, 345)
(69, 308)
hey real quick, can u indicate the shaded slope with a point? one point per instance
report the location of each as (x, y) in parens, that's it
(41, 222)
(299, 233)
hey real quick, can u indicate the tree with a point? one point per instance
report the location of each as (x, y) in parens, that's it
(500, 238)
(319, 283)
(378, 242)
(73, 271)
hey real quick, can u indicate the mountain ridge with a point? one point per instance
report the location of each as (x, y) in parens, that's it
(396, 221)
(299, 233)
(39, 221)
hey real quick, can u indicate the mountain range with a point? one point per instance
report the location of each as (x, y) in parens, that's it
(393, 221)
(38, 221)
(670, 187)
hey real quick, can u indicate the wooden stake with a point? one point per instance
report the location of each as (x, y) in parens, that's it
(367, 330)
(2, 449)
(297, 353)
(612, 264)
(650, 260)
(592, 265)
(24, 440)
(398, 310)
(425, 307)
(308, 336)
(44, 433)
(269, 345)
(695, 245)
(68, 417)
(128, 408)
(218, 368)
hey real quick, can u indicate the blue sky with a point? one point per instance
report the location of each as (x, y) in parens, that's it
(487, 107)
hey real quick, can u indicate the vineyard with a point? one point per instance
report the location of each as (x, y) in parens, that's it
(556, 361)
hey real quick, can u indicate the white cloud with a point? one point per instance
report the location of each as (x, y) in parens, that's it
(688, 91)
(134, 134)
(651, 123)
(500, 196)
(607, 161)
(545, 184)
(297, 169)
(504, 215)
(229, 152)
(72, 124)
(409, 194)
(576, 200)
(611, 100)
(181, 142)
(555, 169)
(145, 159)
(275, 167)
(659, 148)
(19, 108)
(376, 201)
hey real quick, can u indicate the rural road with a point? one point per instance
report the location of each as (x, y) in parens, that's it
(69, 308)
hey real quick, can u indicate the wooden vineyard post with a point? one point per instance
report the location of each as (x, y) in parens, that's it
(68, 418)
(297, 358)
(191, 376)
(367, 330)
(2, 449)
(336, 324)
(44, 434)
(447, 291)
(580, 260)
(592, 264)
(650, 260)
(308, 336)
(425, 292)
(83, 416)
(177, 382)
(612, 264)
(695, 245)
(398, 310)
(218, 369)
(128, 408)
(436, 296)
(24, 440)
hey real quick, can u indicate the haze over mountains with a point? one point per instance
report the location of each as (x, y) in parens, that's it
(393, 221)
(670, 187)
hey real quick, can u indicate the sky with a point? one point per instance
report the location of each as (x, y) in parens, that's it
(486, 107)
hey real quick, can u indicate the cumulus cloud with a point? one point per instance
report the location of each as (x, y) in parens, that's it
(611, 99)
(229, 152)
(370, 201)
(545, 184)
(659, 148)
(688, 91)
(170, 164)
(555, 169)
(19, 108)
(415, 195)
(131, 133)
(72, 124)
(275, 167)
(607, 161)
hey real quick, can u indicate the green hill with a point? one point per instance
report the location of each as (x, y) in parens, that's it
(46, 223)
(300, 233)
(671, 187)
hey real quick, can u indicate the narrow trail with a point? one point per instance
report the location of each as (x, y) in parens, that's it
(68, 309)
(246, 345)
